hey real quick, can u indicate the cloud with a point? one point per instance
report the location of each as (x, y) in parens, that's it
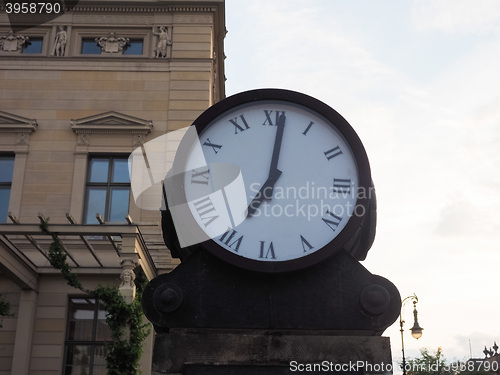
(456, 218)
(297, 49)
(457, 16)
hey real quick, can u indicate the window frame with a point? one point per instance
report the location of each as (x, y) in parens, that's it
(31, 40)
(92, 40)
(79, 34)
(39, 32)
(8, 184)
(92, 344)
(108, 185)
(129, 44)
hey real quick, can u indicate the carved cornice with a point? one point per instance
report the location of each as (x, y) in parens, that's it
(10, 123)
(111, 123)
(127, 9)
(140, 9)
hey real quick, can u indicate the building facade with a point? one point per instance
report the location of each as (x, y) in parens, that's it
(79, 93)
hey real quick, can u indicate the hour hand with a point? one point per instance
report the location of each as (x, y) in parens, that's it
(265, 192)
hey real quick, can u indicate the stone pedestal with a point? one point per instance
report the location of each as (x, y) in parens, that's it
(249, 352)
(212, 318)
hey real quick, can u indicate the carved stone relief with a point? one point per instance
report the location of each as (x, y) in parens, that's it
(83, 139)
(60, 42)
(111, 43)
(164, 41)
(127, 287)
(138, 139)
(12, 42)
(22, 139)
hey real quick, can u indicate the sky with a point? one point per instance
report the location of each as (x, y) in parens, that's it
(419, 81)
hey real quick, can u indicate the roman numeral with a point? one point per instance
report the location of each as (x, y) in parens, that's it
(308, 127)
(204, 207)
(304, 244)
(330, 154)
(332, 223)
(269, 120)
(227, 237)
(341, 185)
(270, 251)
(215, 147)
(201, 177)
(238, 127)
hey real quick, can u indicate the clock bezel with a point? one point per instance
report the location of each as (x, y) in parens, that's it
(351, 138)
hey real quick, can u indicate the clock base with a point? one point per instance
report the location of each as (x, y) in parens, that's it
(338, 296)
(251, 352)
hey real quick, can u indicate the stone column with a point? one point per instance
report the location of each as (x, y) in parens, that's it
(127, 287)
(21, 357)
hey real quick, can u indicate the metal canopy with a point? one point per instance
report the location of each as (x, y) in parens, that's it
(92, 248)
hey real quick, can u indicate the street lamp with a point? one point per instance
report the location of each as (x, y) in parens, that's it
(416, 330)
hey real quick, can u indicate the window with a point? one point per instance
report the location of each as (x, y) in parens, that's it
(6, 171)
(90, 47)
(86, 336)
(108, 189)
(33, 45)
(134, 47)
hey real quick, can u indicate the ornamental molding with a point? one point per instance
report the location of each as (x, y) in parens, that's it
(12, 42)
(193, 18)
(138, 140)
(111, 123)
(112, 43)
(83, 139)
(22, 139)
(136, 18)
(10, 123)
(140, 9)
(113, 19)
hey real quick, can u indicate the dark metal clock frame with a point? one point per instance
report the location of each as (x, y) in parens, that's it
(364, 201)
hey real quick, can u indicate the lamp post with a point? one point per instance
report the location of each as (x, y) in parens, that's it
(416, 330)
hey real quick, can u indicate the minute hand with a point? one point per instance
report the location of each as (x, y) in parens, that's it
(277, 145)
(266, 191)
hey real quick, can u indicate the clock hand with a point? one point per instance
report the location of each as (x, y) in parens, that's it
(263, 193)
(277, 144)
(266, 191)
(273, 175)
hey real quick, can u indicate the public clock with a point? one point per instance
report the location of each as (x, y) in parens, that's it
(305, 176)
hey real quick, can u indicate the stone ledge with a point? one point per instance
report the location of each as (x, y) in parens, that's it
(278, 349)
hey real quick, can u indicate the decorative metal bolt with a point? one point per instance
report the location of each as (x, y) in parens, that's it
(374, 300)
(167, 298)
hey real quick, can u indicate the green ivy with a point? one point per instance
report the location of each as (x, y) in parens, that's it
(4, 309)
(120, 316)
(125, 321)
(57, 258)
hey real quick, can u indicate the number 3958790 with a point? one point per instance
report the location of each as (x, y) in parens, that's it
(33, 8)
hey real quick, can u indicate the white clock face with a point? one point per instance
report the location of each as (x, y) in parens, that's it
(300, 177)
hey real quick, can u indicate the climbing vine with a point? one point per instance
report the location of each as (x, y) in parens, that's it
(125, 321)
(57, 258)
(4, 309)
